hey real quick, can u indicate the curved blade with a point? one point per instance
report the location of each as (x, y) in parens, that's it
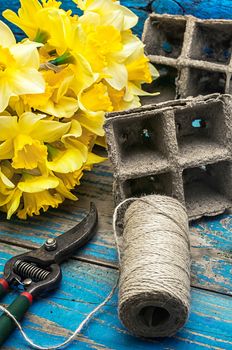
(66, 244)
(77, 236)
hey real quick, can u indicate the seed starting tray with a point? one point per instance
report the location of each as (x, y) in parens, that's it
(178, 148)
(193, 56)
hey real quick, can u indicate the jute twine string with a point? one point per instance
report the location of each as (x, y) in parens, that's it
(138, 299)
(154, 287)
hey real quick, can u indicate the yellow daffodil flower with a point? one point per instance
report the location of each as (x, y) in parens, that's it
(23, 138)
(34, 202)
(138, 67)
(65, 161)
(38, 192)
(35, 18)
(92, 121)
(96, 99)
(12, 202)
(119, 101)
(102, 43)
(72, 179)
(63, 31)
(6, 186)
(57, 100)
(102, 46)
(45, 22)
(111, 53)
(93, 103)
(19, 65)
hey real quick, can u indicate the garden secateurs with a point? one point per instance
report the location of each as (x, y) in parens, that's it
(38, 271)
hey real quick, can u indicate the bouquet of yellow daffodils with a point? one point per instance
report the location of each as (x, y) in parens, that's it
(55, 87)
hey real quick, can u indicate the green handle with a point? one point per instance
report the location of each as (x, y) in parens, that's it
(2, 291)
(3, 287)
(18, 309)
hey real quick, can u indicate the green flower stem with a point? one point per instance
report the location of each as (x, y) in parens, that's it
(52, 151)
(41, 37)
(63, 59)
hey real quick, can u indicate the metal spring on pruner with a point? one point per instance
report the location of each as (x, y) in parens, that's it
(26, 270)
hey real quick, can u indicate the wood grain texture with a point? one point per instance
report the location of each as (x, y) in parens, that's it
(85, 285)
(210, 238)
(198, 8)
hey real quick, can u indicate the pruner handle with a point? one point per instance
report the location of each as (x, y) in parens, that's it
(18, 309)
(4, 286)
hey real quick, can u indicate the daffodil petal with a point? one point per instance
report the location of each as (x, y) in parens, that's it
(27, 81)
(90, 18)
(96, 98)
(154, 72)
(26, 54)
(84, 74)
(5, 180)
(64, 86)
(94, 159)
(13, 204)
(28, 152)
(70, 180)
(5, 92)
(130, 19)
(4, 198)
(28, 122)
(137, 91)
(34, 202)
(8, 127)
(6, 150)
(130, 44)
(119, 75)
(93, 121)
(65, 108)
(120, 17)
(50, 131)
(65, 192)
(101, 141)
(6, 36)
(75, 130)
(68, 161)
(76, 144)
(12, 17)
(27, 16)
(38, 184)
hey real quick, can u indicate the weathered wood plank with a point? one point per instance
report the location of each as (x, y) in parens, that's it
(211, 242)
(85, 285)
(198, 8)
(211, 238)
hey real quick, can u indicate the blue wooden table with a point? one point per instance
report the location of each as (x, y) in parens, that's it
(90, 275)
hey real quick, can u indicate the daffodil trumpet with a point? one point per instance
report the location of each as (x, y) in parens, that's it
(55, 87)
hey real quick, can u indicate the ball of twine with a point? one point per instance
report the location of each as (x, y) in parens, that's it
(154, 286)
